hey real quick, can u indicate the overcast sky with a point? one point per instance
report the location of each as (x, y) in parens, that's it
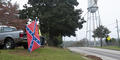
(109, 12)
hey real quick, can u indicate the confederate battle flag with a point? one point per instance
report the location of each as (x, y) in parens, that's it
(33, 36)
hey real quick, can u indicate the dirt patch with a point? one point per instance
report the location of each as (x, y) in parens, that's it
(23, 52)
(93, 57)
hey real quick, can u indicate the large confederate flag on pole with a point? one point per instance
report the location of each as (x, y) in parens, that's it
(33, 36)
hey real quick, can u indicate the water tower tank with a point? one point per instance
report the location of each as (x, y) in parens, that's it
(92, 6)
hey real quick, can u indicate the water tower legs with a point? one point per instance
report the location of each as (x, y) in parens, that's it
(93, 21)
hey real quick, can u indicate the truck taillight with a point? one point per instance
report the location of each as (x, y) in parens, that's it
(21, 35)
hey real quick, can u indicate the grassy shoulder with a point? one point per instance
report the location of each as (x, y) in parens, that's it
(47, 53)
(110, 47)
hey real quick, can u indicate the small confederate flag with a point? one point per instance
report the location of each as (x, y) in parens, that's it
(33, 36)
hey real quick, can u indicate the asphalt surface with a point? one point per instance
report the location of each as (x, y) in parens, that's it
(105, 54)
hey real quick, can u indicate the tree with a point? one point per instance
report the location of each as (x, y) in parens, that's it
(1, 1)
(101, 32)
(57, 17)
(9, 15)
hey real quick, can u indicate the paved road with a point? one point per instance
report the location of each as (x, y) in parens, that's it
(105, 54)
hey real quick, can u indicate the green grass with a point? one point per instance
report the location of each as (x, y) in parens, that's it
(111, 47)
(47, 53)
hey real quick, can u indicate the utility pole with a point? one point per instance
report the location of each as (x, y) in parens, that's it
(76, 37)
(118, 32)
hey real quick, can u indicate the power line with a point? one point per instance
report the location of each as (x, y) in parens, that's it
(112, 23)
(85, 14)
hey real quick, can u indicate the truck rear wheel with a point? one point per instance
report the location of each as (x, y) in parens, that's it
(9, 44)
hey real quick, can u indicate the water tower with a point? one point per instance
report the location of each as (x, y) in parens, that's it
(93, 20)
